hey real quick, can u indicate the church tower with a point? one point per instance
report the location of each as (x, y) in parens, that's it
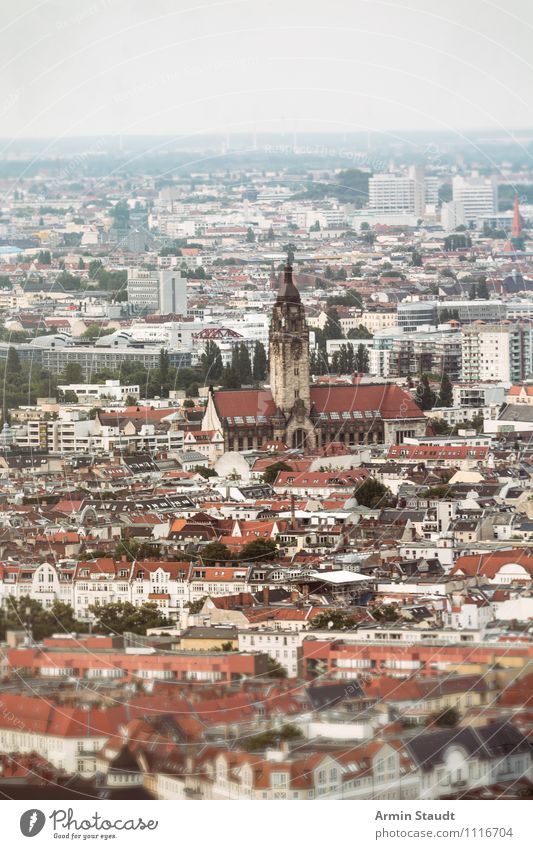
(289, 366)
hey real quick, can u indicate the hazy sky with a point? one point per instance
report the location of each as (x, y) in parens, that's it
(91, 67)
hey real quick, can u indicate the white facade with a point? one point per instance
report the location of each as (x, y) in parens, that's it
(495, 352)
(163, 291)
(478, 195)
(111, 389)
(282, 646)
(393, 193)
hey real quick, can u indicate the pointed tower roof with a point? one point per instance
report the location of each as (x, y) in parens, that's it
(516, 230)
(288, 291)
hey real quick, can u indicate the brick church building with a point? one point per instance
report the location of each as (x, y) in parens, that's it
(299, 414)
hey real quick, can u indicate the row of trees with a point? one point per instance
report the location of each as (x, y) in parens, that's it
(258, 549)
(23, 381)
(426, 397)
(243, 369)
(115, 618)
(349, 359)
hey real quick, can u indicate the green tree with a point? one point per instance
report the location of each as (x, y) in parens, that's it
(371, 493)
(164, 370)
(338, 618)
(361, 359)
(386, 613)
(195, 607)
(215, 551)
(425, 397)
(259, 368)
(118, 617)
(332, 327)
(23, 612)
(205, 472)
(259, 549)
(268, 739)
(211, 363)
(13, 364)
(275, 669)
(94, 331)
(445, 398)
(271, 472)
(121, 215)
(482, 290)
(72, 373)
(250, 235)
(230, 378)
(241, 363)
(360, 332)
(447, 718)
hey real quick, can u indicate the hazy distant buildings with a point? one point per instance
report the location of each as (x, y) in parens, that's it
(163, 291)
(452, 215)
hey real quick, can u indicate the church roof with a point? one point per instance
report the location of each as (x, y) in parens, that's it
(389, 399)
(254, 403)
(386, 400)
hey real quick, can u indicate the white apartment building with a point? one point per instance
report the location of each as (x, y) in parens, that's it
(111, 390)
(499, 352)
(163, 291)
(68, 434)
(373, 320)
(284, 646)
(452, 215)
(478, 195)
(394, 193)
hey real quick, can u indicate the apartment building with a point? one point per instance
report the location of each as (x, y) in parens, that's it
(94, 359)
(373, 320)
(162, 291)
(395, 193)
(111, 390)
(499, 352)
(477, 195)
(412, 354)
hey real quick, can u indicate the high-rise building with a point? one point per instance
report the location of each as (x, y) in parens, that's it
(477, 195)
(162, 291)
(496, 352)
(400, 194)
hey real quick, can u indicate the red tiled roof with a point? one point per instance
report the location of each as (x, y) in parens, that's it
(488, 565)
(388, 398)
(391, 401)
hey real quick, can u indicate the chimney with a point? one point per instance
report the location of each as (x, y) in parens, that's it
(266, 595)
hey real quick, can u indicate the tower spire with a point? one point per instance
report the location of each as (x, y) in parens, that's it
(516, 229)
(288, 291)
